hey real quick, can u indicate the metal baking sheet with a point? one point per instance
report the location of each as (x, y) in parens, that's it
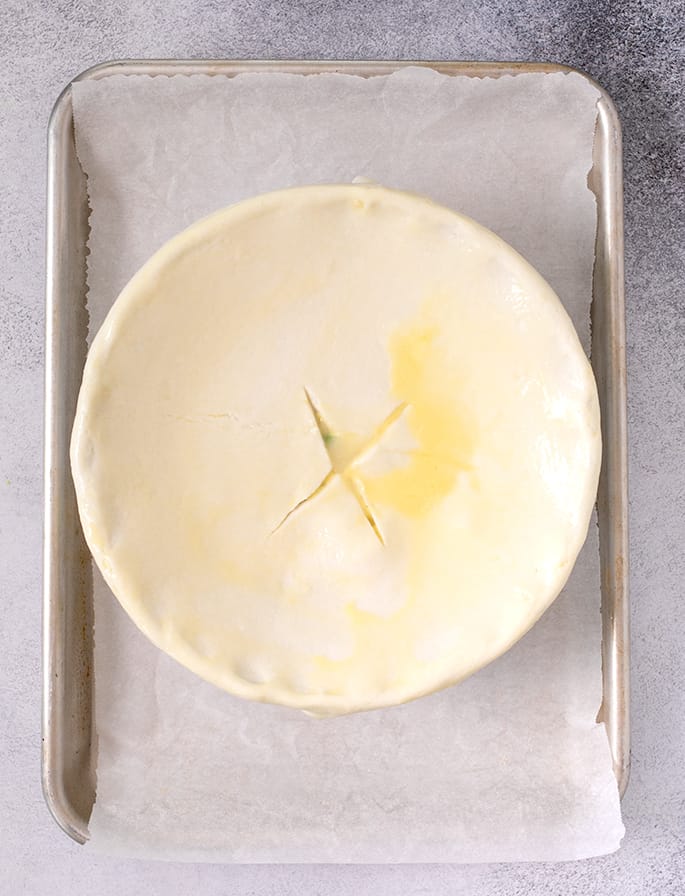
(69, 740)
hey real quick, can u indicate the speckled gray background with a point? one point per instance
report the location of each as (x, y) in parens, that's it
(633, 48)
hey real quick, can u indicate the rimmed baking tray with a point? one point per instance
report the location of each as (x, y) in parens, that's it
(69, 739)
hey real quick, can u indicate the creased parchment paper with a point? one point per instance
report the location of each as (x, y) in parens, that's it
(509, 765)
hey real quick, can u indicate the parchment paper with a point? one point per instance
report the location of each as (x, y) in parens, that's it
(509, 765)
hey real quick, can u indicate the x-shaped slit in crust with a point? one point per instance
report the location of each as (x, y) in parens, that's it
(350, 479)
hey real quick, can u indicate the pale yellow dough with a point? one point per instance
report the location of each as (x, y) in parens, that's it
(336, 447)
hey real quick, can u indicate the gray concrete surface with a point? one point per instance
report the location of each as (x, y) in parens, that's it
(635, 49)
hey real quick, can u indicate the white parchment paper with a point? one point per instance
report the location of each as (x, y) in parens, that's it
(509, 765)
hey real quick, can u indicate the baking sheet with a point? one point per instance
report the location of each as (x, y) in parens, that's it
(418, 765)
